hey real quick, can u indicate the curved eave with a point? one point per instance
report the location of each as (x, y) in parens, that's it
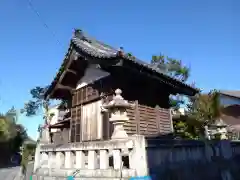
(101, 51)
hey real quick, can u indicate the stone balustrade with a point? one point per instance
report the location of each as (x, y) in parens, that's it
(114, 158)
(120, 157)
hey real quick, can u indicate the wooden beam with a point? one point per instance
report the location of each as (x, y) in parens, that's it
(71, 71)
(71, 58)
(60, 86)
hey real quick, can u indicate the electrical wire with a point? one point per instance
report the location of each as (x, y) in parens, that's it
(42, 21)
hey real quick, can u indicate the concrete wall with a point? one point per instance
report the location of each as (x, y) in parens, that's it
(198, 160)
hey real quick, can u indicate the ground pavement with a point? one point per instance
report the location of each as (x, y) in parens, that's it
(9, 173)
(29, 171)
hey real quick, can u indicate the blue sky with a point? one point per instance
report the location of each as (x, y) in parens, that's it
(204, 34)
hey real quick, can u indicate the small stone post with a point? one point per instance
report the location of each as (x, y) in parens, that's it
(207, 134)
(44, 136)
(37, 158)
(118, 111)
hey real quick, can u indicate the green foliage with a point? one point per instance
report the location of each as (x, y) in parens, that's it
(4, 129)
(172, 67)
(187, 127)
(10, 132)
(176, 69)
(131, 56)
(27, 151)
(37, 102)
(32, 107)
(205, 108)
(9, 129)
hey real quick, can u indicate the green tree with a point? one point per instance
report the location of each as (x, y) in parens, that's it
(37, 103)
(4, 128)
(205, 109)
(10, 131)
(174, 68)
(8, 124)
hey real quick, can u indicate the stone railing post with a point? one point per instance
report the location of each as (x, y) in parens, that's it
(37, 158)
(59, 159)
(138, 156)
(80, 159)
(104, 162)
(51, 159)
(68, 159)
(118, 112)
(92, 159)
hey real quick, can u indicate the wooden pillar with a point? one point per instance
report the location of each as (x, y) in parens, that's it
(137, 117)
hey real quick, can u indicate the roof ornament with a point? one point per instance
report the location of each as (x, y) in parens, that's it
(78, 33)
(81, 35)
(120, 51)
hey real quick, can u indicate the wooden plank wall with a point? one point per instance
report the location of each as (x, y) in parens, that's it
(131, 127)
(91, 128)
(148, 121)
(80, 97)
(86, 122)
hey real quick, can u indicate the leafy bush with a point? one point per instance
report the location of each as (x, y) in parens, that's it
(28, 151)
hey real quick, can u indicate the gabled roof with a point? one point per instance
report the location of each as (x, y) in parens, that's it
(97, 49)
(235, 94)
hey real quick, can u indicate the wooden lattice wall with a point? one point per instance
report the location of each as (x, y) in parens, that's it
(148, 121)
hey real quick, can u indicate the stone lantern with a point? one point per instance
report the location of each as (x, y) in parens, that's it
(219, 128)
(118, 114)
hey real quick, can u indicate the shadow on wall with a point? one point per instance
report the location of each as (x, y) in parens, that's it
(172, 159)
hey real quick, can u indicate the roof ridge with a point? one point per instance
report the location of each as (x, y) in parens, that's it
(85, 36)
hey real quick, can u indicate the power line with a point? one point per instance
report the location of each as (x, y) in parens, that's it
(43, 22)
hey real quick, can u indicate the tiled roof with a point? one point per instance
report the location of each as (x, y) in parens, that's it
(98, 49)
(235, 94)
(231, 116)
